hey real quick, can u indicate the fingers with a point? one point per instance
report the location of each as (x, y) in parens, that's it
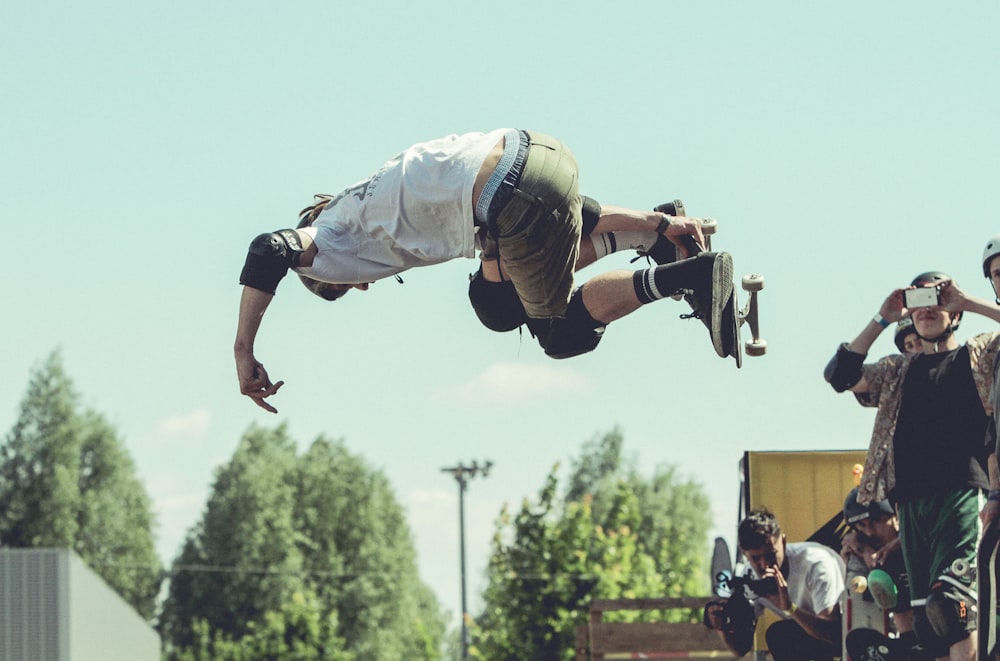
(681, 229)
(256, 384)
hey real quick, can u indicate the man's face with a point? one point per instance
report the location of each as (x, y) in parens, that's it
(771, 554)
(912, 344)
(877, 532)
(931, 321)
(994, 268)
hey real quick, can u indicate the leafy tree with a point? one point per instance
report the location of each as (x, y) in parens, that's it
(674, 513)
(353, 530)
(541, 581)
(67, 481)
(322, 524)
(614, 535)
(242, 560)
(298, 630)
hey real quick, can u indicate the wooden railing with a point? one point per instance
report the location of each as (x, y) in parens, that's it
(647, 640)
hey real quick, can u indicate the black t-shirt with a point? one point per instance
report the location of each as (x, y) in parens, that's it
(939, 441)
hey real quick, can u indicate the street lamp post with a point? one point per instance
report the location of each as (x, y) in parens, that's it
(462, 475)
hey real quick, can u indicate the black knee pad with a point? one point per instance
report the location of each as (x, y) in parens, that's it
(933, 645)
(951, 610)
(496, 303)
(575, 334)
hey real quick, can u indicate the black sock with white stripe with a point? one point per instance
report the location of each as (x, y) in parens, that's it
(658, 282)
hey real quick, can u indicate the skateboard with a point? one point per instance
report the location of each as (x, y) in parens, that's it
(986, 573)
(734, 317)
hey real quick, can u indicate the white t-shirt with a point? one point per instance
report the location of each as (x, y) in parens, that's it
(415, 211)
(815, 577)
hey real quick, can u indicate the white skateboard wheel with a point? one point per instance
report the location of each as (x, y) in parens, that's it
(753, 282)
(756, 347)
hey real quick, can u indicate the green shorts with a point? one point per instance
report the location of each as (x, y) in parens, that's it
(538, 229)
(936, 530)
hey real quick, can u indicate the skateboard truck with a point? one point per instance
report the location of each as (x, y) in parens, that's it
(752, 284)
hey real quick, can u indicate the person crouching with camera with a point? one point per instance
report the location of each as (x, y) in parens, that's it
(801, 582)
(929, 447)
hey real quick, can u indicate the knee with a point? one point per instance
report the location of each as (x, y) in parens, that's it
(576, 333)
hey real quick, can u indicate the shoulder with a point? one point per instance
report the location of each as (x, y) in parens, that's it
(815, 553)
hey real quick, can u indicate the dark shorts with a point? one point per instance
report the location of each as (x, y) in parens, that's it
(935, 531)
(538, 229)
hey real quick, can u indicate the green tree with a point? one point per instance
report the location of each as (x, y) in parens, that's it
(67, 481)
(614, 535)
(298, 630)
(321, 524)
(242, 559)
(674, 512)
(544, 572)
(352, 529)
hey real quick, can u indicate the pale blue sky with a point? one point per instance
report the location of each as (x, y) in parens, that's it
(843, 148)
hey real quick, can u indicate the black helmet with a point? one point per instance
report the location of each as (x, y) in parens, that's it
(496, 303)
(855, 511)
(903, 328)
(929, 277)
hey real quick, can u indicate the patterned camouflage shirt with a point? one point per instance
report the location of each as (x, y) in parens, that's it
(885, 386)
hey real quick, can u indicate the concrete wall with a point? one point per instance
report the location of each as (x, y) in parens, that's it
(54, 607)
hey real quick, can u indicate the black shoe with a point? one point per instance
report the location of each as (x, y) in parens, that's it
(675, 208)
(664, 251)
(712, 300)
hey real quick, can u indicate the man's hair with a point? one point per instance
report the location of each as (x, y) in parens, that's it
(758, 528)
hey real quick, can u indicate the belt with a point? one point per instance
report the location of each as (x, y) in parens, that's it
(501, 184)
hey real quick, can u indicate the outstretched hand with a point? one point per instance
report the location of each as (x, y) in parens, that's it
(254, 381)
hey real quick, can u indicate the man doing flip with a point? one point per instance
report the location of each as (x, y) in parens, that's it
(439, 200)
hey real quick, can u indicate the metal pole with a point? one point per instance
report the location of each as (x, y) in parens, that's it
(462, 474)
(461, 547)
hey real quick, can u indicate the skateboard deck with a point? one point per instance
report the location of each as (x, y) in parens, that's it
(733, 316)
(986, 575)
(721, 563)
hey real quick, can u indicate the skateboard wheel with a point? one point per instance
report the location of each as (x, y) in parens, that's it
(756, 347)
(960, 567)
(859, 584)
(709, 226)
(753, 282)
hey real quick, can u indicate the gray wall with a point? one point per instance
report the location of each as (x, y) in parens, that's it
(53, 607)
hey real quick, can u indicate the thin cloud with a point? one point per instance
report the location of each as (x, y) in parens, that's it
(184, 427)
(517, 383)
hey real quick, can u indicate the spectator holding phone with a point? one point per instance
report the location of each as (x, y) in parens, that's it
(927, 453)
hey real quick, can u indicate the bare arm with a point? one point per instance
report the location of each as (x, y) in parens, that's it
(253, 378)
(617, 219)
(891, 311)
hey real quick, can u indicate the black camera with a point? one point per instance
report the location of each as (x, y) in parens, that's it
(727, 585)
(738, 616)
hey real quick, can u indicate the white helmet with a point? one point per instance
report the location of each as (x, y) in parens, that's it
(991, 250)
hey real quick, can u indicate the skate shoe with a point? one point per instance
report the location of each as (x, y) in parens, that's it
(664, 251)
(675, 208)
(713, 301)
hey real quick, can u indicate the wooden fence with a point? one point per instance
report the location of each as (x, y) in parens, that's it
(647, 640)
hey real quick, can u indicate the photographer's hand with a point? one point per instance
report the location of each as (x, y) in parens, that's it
(781, 599)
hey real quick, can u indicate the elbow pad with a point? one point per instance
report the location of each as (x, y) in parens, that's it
(269, 258)
(591, 214)
(844, 369)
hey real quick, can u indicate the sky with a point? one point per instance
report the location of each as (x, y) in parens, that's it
(842, 148)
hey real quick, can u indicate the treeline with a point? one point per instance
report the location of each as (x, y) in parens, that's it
(309, 556)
